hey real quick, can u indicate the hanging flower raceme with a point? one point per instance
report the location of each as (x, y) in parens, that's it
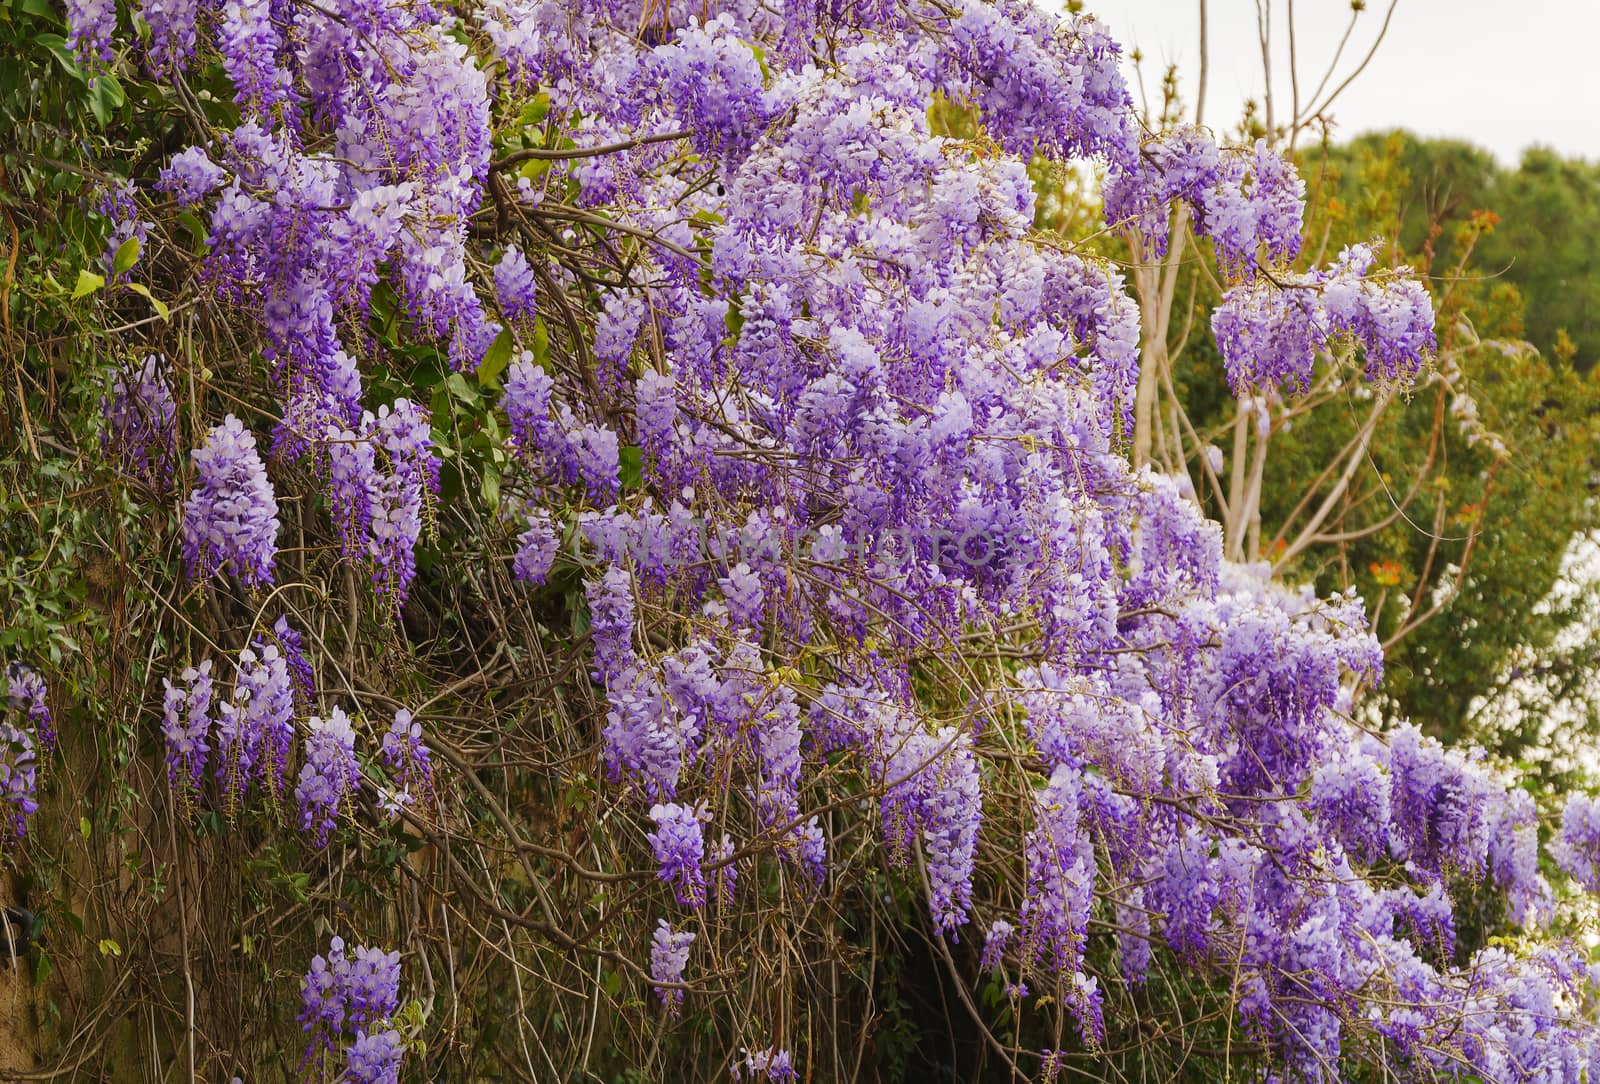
(536, 549)
(27, 730)
(329, 775)
(669, 955)
(1270, 333)
(27, 694)
(230, 521)
(409, 760)
(352, 997)
(141, 425)
(186, 726)
(255, 731)
(679, 844)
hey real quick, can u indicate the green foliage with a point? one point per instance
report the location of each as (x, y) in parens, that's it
(1548, 210)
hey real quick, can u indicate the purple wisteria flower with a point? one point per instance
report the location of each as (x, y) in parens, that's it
(679, 845)
(329, 775)
(669, 955)
(251, 43)
(611, 622)
(375, 1058)
(1577, 845)
(294, 655)
(141, 425)
(186, 726)
(655, 413)
(256, 744)
(773, 1063)
(191, 176)
(27, 693)
(536, 548)
(341, 996)
(1269, 333)
(25, 731)
(514, 284)
(93, 28)
(230, 521)
(527, 400)
(408, 758)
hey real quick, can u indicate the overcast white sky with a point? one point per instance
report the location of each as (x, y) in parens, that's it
(1503, 74)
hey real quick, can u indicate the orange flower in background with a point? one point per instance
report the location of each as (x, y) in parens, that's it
(1387, 573)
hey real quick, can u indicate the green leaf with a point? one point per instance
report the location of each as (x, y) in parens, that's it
(534, 112)
(108, 947)
(105, 98)
(196, 229)
(495, 360)
(144, 291)
(84, 827)
(541, 343)
(64, 56)
(761, 59)
(489, 486)
(127, 255)
(41, 9)
(631, 466)
(461, 389)
(88, 283)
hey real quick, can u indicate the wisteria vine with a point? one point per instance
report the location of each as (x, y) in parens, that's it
(828, 448)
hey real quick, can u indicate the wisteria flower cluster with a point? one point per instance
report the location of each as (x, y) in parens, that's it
(230, 521)
(27, 730)
(249, 740)
(349, 998)
(1270, 334)
(141, 424)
